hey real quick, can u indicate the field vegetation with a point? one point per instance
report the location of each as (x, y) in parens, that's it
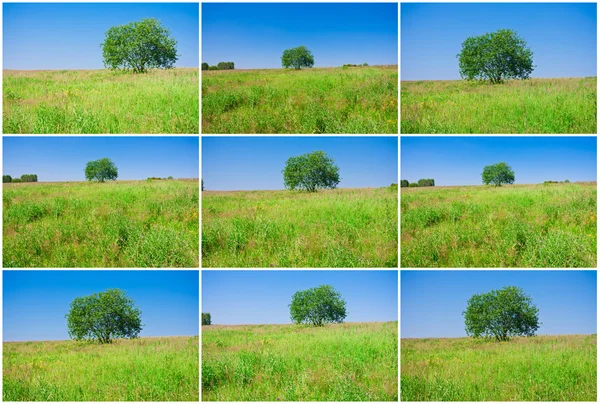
(320, 100)
(341, 362)
(331, 228)
(118, 224)
(146, 369)
(545, 368)
(100, 101)
(543, 226)
(517, 106)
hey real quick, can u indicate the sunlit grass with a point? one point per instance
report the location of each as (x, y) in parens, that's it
(345, 362)
(118, 224)
(530, 106)
(330, 100)
(146, 369)
(331, 229)
(547, 226)
(100, 101)
(548, 368)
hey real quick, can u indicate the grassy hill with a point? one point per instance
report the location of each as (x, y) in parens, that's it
(145, 369)
(344, 362)
(545, 368)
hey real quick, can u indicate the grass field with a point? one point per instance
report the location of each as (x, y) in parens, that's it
(333, 229)
(146, 369)
(342, 362)
(549, 368)
(100, 101)
(531, 106)
(324, 100)
(117, 224)
(547, 226)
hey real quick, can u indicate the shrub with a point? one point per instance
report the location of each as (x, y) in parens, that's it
(16, 180)
(213, 68)
(6, 178)
(413, 185)
(225, 66)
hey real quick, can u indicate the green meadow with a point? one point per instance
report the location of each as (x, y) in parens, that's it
(341, 362)
(114, 224)
(320, 100)
(517, 106)
(100, 101)
(545, 368)
(146, 369)
(332, 229)
(542, 226)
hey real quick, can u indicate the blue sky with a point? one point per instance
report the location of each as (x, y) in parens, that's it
(255, 163)
(460, 160)
(562, 36)
(46, 36)
(262, 297)
(432, 302)
(64, 158)
(254, 35)
(35, 302)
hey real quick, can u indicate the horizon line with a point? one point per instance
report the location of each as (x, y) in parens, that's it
(530, 78)
(517, 336)
(116, 339)
(259, 324)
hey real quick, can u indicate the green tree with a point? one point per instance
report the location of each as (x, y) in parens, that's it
(204, 66)
(498, 174)
(101, 170)
(29, 178)
(103, 317)
(501, 314)
(311, 171)
(403, 183)
(318, 306)
(206, 319)
(139, 46)
(297, 58)
(6, 178)
(495, 57)
(426, 182)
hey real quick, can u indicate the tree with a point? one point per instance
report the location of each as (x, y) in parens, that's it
(225, 66)
(204, 66)
(495, 57)
(498, 174)
(101, 170)
(297, 58)
(501, 314)
(29, 178)
(426, 182)
(403, 183)
(139, 45)
(318, 306)
(413, 185)
(103, 317)
(206, 320)
(311, 171)
(6, 178)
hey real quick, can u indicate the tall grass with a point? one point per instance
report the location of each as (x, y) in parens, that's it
(100, 101)
(336, 228)
(334, 100)
(345, 362)
(530, 106)
(120, 224)
(146, 369)
(549, 368)
(544, 226)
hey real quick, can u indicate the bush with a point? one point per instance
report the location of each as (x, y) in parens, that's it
(213, 68)
(413, 185)
(426, 182)
(404, 183)
(225, 66)
(6, 178)
(206, 320)
(204, 66)
(16, 180)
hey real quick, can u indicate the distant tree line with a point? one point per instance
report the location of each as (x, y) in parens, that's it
(219, 66)
(557, 182)
(423, 182)
(24, 178)
(159, 178)
(351, 65)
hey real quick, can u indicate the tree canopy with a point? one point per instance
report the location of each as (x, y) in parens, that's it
(495, 56)
(139, 46)
(501, 314)
(318, 306)
(103, 317)
(297, 58)
(101, 170)
(206, 319)
(498, 174)
(311, 171)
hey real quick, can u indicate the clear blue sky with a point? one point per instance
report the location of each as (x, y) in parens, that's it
(460, 160)
(254, 35)
(262, 297)
(432, 302)
(35, 302)
(64, 158)
(562, 36)
(255, 163)
(47, 36)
